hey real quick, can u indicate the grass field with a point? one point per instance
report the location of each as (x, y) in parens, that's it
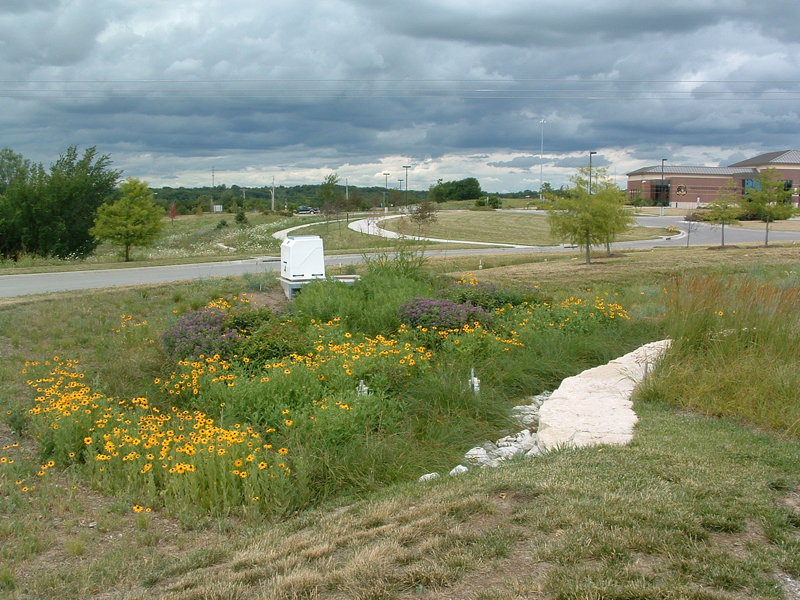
(696, 507)
(497, 227)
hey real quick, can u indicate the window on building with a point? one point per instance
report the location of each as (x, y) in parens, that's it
(751, 184)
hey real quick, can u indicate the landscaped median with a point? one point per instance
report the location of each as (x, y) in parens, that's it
(277, 412)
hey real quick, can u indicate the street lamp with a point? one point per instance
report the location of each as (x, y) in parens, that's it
(663, 186)
(541, 164)
(590, 171)
(385, 187)
(406, 167)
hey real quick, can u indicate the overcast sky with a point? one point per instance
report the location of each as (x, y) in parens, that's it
(453, 88)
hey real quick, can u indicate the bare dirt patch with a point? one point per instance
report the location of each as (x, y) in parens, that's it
(273, 299)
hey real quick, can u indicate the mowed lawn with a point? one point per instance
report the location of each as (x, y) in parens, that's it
(497, 227)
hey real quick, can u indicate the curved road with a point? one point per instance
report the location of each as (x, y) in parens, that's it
(39, 283)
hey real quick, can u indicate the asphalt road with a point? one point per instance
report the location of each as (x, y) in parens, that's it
(41, 283)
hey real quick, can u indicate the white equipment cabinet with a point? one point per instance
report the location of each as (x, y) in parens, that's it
(302, 260)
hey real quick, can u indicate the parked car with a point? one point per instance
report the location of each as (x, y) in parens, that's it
(307, 210)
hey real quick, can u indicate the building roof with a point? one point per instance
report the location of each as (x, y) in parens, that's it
(745, 167)
(723, 171)
(782, 157)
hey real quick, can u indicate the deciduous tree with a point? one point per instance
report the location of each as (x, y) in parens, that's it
(587, 219)
(725, 209)
(425, 214)
(133, 220)
(50, 214)
(769, 201)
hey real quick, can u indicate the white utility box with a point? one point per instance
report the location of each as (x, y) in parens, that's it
(302, 260)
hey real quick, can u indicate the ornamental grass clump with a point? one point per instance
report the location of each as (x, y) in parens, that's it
(428, 313)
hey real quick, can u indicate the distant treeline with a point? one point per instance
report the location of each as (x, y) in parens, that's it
(234, 198)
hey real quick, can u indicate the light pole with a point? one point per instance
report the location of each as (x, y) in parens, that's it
(406, 167)
(541, 164)
(590, 171)
(385, 187)
(663, 185)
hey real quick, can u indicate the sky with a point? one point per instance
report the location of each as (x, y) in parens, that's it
(295, 90)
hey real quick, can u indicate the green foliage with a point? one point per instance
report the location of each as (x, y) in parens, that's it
(403, 261)
(273, 338)
(241, 218)
(585, 219)
(328, 194)
(369, 305)
(725, 209)
(488, 295)
(133, 220)
(735, 350)
(463, 189)
(769, 201)
(50, 214)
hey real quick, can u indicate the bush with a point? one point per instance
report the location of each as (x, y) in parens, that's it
(368, 306)
(488, 295)
(241, 218)
(440, 314)
(275, 339)
(201, 332)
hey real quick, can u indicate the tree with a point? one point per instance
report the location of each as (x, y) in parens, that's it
(133, 220)
(577, 220)
(769, 200)
(425, 214)
(173, 212)
(463, 189)
(725, 209)
(76, 188)
(587, 219)
(689, 225)
(50, 214)
(330, 198)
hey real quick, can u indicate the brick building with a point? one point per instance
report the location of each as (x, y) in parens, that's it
(689, 187)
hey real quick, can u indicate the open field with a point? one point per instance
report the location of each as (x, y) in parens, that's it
(494, 226)
(695, 507)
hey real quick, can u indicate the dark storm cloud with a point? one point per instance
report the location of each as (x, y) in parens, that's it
(169, 87)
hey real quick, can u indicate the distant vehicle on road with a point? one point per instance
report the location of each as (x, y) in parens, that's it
(306, 210)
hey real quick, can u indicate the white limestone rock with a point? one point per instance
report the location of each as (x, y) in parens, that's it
(428, 477)
(459, 470)
(479, 457)
(594, 407)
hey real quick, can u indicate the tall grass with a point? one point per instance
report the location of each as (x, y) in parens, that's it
(736, 350)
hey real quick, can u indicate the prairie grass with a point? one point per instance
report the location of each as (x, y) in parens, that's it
(736, 349)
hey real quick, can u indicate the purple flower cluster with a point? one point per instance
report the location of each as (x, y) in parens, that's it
(442, 314)
(200, 332)
(488, 295)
